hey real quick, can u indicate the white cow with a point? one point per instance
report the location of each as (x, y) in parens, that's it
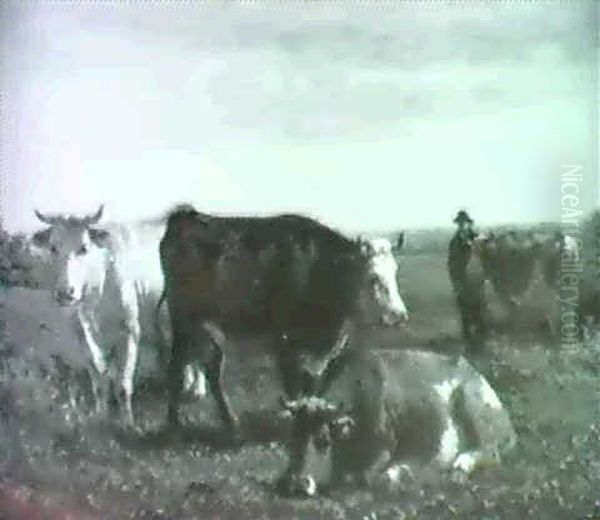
(109, 281)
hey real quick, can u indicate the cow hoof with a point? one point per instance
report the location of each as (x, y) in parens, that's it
(395, 477)
(131, 428)
(465, 463)
(297, 486)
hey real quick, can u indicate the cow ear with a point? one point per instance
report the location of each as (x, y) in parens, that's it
(366, 249)
(41, 238)
(100, 237)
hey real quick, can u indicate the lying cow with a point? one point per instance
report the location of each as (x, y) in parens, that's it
(288, 277)
(108, 280)
(387, 412)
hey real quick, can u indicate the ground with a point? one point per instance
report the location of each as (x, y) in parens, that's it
(58, 465)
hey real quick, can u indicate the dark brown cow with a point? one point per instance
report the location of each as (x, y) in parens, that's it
(287, 276)
(509, 261)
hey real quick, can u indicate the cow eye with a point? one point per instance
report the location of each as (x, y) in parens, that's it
(54, 250)
(82, 250)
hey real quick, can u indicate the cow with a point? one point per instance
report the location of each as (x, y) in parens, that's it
(527, 266)
(570, 269)
(589, 257)
(108, 280)
(390, 413)
(286, 277)
(510, 260)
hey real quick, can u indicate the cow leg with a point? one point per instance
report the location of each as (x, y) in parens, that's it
(366, 476)
(73, 391)
(100, 386)
(214, 375)
(98, 369)
(96, 387)
(127, 354)
(127, 373)
(175, 376)
(490, 423)
(84, 395)
(192, 347)
(343, 463)
(66, 382)
(288, 371)
(297, 449)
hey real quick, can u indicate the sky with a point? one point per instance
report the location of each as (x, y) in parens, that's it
(368, 117)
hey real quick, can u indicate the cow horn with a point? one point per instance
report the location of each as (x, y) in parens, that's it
(46, 219)
(94, 219)
(340, 344)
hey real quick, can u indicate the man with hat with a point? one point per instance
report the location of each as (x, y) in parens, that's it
(468, 281)
(465, 224)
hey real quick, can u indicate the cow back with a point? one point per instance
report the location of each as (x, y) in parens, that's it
(256, 272)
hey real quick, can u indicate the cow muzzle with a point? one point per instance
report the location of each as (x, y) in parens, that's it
(300, 486)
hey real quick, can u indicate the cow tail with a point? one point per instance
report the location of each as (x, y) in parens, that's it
(160, 335)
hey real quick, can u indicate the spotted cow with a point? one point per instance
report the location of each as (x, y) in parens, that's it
(391, 413)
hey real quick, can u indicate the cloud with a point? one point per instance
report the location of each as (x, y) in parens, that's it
(285, 104)
(326, 72)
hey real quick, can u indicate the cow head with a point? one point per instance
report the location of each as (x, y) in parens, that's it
(382, 295)
(318, 420)
(485, 247)
(74, 246)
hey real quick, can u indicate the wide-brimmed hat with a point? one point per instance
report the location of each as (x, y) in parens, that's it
(462, 216)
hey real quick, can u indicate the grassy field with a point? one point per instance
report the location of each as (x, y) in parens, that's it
(63, 465)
